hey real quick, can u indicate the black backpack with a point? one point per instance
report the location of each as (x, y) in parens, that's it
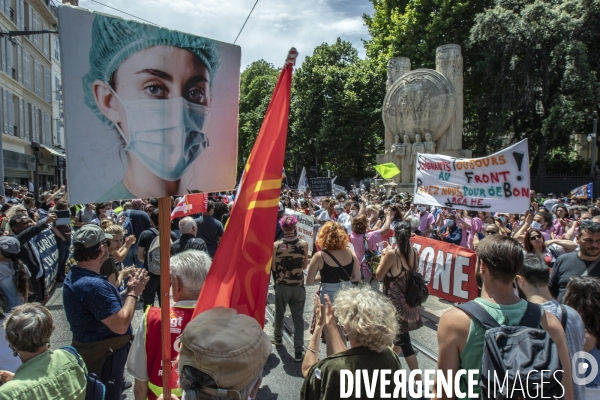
(512, 352)
(416, 289)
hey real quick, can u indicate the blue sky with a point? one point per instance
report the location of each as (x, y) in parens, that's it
(274, 27)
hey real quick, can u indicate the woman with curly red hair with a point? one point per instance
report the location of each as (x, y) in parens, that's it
(336, 263)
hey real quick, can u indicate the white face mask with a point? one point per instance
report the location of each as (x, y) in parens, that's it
(165, 135)
(108, 213)
(536, 225)
(421, 208)
(354, 213)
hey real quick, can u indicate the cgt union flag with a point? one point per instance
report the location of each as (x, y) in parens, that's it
(239, 275)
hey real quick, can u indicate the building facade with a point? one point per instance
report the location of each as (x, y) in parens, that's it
(30, 104)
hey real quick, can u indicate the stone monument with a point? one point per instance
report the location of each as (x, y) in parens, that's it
(423, 103)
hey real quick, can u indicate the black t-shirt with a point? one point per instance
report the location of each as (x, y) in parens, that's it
(146, 239)
(140, 221)
(567, 266)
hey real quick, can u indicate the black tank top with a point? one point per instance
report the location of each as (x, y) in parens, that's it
(333, 274)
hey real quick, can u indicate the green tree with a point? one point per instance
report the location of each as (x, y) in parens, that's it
(336, 111)
(256, 87)
(543, 85)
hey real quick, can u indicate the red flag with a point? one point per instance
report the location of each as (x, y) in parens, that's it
(239, 276)
(190, 204)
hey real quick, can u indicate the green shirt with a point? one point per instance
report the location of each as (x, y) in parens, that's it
(52, 375)
(117, 192)
(323, 379)
(472, 354)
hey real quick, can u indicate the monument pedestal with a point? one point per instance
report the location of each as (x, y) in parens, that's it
(423, 103)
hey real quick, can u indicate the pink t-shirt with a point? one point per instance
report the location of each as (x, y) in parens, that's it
(373, 239)
(476, 227)
(427, 220)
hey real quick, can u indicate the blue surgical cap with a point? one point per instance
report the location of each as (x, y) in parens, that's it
(115, 39)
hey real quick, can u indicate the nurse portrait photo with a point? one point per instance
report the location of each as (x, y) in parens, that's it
(152, 91)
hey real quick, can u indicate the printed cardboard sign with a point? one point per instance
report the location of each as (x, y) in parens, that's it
(47, 249)
(496, 183)
(148, 110)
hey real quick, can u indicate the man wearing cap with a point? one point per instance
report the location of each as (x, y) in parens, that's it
(25, 230)
(188, 273)
(99, 319)
(222, 354)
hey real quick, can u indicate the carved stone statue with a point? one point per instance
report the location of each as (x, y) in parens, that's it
(405, 167)
(429, 144)
(417, 147)
(397, 147)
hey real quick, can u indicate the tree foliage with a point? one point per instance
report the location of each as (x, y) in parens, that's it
(531, 66)
(336, 111)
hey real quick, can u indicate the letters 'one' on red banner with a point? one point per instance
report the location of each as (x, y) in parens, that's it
(449, 269)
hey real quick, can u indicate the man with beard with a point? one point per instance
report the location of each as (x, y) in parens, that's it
(583, 263)
(461, 339)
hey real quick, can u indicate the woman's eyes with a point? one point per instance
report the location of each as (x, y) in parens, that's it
(196, 94)
(155, 90)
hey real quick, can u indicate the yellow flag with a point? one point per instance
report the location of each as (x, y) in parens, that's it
(388, 170)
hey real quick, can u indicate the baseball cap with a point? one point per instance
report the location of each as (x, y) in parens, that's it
(10, 244)
(229, 347)
(90, 235)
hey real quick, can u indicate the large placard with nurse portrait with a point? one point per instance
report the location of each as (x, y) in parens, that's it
(148, 111)
(496, 183)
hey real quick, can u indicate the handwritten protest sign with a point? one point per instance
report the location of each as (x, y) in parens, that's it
(321, 186)
(448, 269)
(305, 227)
(47, 248)
(496, 183)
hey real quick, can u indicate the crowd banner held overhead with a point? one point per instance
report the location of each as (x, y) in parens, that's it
(321, 187)
(190, 204)
(388, 170)
(239, 275)
(496, 183)
(146, 144)
(337, 189)
(448, 269)
(46, 246)
(583, 192)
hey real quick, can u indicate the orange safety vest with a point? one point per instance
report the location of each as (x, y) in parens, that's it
(180, 316)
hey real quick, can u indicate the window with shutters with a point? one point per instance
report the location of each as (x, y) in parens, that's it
(13, 126)
(10, 66)
(29, 20)
(48, 128)
(26, 117)
(3, 45)
(21, 118)
(3, 5)
(46, 42)
(36, 27)
(47, 86)
(26, 70)
(21, 26)
(37, 78)
(19, 65)
(56, 87)
(18, 13)
(56, 49)
(39, 128)
(58, 140)
(5, 110)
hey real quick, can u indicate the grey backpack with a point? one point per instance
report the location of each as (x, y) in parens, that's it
(154, 253)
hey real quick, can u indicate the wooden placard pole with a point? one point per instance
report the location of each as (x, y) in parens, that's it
(164, 228)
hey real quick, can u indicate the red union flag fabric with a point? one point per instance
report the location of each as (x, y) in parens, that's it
(190, 204)
(448, 269)
(239, 275)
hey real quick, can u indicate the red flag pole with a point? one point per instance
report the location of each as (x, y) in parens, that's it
(164, 228)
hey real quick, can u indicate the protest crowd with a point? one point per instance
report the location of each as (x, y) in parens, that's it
(367, 304)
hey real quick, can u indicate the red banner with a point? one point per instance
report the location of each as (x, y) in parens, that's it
(449, 269)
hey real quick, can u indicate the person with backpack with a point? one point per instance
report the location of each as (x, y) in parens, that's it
(188, 239)
(149, 253)
(395, 270)
(532, 284)
(499, 312)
